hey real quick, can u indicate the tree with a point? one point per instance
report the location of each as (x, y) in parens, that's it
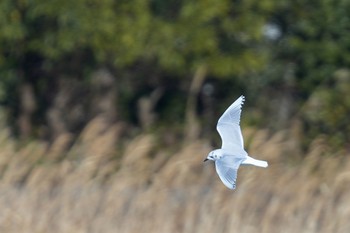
(145, 44)
(305, 61)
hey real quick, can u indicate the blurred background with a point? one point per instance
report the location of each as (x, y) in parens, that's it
(108, 108)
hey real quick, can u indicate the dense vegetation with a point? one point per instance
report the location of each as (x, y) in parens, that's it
(108, 108)
(140, 62)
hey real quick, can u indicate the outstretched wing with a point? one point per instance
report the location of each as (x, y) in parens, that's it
(228, 171)
(229, 128)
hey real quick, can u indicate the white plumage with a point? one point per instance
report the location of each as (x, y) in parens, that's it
(232, 153)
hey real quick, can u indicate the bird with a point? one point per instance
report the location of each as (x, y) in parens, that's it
(232, 153)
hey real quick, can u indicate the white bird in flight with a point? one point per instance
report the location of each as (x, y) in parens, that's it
(232, 153)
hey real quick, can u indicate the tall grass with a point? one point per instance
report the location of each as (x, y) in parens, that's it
(92, 187)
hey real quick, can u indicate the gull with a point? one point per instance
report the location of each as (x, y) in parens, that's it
(232, 153)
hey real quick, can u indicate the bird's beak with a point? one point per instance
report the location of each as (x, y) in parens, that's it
(205, 159)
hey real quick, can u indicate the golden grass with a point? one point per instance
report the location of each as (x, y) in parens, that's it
(89, 187)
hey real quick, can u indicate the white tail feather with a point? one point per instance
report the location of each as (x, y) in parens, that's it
(255, 162)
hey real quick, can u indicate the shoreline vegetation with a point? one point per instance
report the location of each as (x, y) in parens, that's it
(92, 187)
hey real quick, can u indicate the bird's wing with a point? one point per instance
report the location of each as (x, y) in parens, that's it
(228, 172)
(229, 128)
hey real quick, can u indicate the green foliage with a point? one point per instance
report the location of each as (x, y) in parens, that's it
(46, 40)
(326, 112)
(157, 44)
(314, 39)
(214, 33)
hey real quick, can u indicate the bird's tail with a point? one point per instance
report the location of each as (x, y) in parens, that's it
(255, 162)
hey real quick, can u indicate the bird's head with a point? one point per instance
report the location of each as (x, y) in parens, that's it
(212, 156)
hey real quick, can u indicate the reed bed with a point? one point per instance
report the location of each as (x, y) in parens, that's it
(91, 186)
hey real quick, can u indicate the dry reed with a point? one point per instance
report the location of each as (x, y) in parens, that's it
(92, 188)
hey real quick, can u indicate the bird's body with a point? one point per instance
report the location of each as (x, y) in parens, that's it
(232, 153)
